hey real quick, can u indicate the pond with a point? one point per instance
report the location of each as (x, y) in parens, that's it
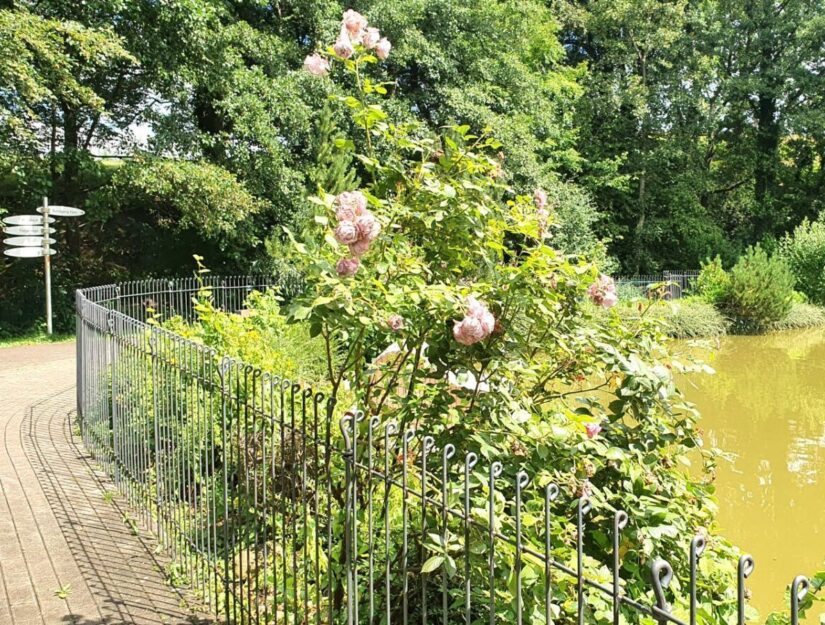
(766, 405)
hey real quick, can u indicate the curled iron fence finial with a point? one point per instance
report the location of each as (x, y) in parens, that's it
(345, 424)
(620, 520)
(697, 548)
(743, 571)
(662, 575)
(799, 590)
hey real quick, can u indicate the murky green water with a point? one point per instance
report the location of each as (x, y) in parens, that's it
(766, 405)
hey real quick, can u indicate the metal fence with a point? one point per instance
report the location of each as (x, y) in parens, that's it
(276, 508)
(677, 283)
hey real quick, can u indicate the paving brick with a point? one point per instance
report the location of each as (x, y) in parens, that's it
(57, 534)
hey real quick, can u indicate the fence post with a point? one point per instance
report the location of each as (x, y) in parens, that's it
(225, 366)
(80, 345)
(113, 390)
(153, 351)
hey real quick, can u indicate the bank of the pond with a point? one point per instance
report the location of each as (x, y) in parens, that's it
(766, 407)
(692, 317)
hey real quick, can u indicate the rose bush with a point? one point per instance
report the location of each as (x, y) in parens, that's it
(444, 306)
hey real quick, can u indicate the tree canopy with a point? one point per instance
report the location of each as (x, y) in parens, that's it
(671, 130)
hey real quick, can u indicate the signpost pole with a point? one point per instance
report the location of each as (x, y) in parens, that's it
(47, 265)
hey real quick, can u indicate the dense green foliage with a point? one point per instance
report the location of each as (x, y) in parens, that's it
(801, 315)
(169, 122)
(458, 316)
(761, 290)
(804, 251)
(675, 131)
(701, 124)
(713, 283)
(685, 318)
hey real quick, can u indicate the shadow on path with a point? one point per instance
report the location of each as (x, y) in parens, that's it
(123, 581)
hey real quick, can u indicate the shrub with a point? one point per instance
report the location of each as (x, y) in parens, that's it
(436, 271)
(628, 292)
(689, 317)
(713, 282)
(692, 318)
(804, 251)
(442, 306)
(760, 293)
(800, 316)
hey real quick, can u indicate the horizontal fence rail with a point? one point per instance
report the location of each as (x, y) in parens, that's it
(276, 508)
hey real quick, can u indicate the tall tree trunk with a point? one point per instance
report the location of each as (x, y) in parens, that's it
(767, 154)
(70, 179)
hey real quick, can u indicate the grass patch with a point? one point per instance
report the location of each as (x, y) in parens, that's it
(34, 338)
(685, 318)
(690, 318)
(801, 316)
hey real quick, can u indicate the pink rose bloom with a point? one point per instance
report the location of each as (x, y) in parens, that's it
(592, 430)
(343, 47)
(395, 322)
(346, 233)
(376, 230)
(488, 322)
(316, 65)
(540, 198)
(474, 307)
(359, 248)
(479, 311)
(365, 225)
(350, 204)
(371, 38)
(347, 267)
(603, 292)
(469, 331)
(382, 48)
(610, 299)
(354, 22)
(345, 213)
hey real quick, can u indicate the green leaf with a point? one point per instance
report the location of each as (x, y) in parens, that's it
(432, 564)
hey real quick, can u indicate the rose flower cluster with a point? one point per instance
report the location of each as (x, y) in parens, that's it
(354, 31)
(477, 325)
(603, 292)
(357, 228)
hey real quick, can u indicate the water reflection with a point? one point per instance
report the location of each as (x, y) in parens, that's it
(766, 405)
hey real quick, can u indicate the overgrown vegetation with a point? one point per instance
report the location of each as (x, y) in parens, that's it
(760, 292)
(443, 305)
(804, 251)
(186, 126)
(800, 316)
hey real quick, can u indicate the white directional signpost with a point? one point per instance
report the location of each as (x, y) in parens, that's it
(30, 239)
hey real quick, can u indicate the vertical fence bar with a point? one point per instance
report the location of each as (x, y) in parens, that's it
(697, 547)
(551, 492)
(743, 572)
(470, 461)
(522, 480)
(582, 508)
(496, 469)
(619, 523)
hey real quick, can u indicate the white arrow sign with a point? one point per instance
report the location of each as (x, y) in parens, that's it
(27, 252)
(25, 220)
(27, 231)
(27, 241)
(63, 211)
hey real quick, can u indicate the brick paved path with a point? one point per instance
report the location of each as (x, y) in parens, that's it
(66, 556)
